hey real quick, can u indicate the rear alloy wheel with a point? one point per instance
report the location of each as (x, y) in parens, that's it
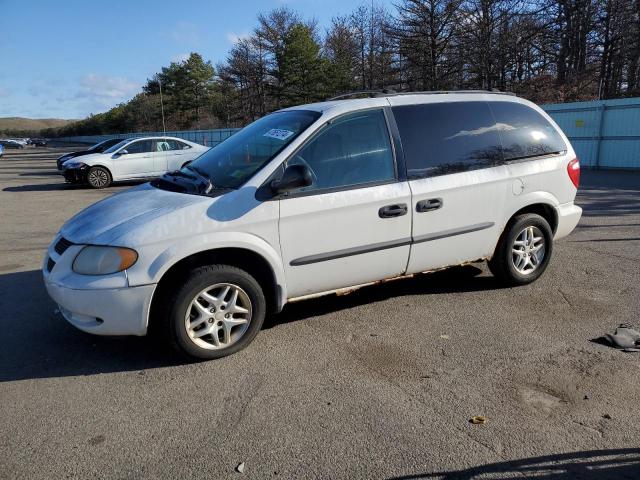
(98, 177)
(523, 251)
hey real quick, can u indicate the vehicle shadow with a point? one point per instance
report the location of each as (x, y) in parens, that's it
(613, 464)
(451, 280)
(43, 187)
(38, 343)
(49, 187)
(609, 193)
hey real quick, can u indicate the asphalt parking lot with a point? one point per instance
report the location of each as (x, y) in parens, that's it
(380, 383)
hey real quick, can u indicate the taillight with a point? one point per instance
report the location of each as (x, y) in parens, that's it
(573, 169)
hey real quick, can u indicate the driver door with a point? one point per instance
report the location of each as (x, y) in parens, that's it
(353, 224)
(137, 162)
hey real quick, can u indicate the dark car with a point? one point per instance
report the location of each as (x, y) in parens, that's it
(11, 144)
(38, 142)
(97, 148)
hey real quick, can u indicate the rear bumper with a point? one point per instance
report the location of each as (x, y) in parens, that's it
(119, 311)
(568, 217)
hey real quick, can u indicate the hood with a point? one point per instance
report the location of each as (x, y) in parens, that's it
(77, 154)
(87, 157)
(103, 223)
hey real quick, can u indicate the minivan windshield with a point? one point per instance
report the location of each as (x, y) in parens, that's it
(117, 146)
(232, 162)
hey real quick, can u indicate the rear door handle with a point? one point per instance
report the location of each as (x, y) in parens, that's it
(428, 205)
(396, 210)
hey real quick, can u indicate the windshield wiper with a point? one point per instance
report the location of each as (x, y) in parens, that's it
(209, 184)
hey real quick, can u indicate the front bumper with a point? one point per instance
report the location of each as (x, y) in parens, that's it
(98, 304)
(120, 311)
(568, 217)
(75, 175)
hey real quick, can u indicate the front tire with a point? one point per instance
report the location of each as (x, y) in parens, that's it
(98, 177)
(523, 251)
(217, 311)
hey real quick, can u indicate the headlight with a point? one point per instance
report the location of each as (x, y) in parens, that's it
(95, 260)
(72, 164)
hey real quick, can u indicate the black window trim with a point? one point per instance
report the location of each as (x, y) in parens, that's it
(278, 171)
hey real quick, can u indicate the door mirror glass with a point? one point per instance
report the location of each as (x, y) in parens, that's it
(294, 176)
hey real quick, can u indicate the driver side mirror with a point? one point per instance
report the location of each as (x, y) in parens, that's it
(294, 176)
(123, 152)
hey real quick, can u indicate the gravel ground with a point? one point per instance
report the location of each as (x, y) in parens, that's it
(380, 383)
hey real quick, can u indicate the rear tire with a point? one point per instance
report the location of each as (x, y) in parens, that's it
(523, 251)
(99, 177)
(216, 311)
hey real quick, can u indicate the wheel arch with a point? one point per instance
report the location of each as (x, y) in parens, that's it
(545, 210)
(246, 259)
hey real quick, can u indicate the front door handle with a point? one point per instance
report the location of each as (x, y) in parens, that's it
(428, 205)
(396, 210)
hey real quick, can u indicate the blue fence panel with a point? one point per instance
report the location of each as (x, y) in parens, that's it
(209, 138)
(604, 133)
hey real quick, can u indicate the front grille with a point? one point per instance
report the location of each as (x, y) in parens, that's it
(62, 245)
(50, 264)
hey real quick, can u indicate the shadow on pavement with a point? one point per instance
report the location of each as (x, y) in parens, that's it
(43, 187)
(455, 279)
(614, 464)
(609, 193)
(36, 343)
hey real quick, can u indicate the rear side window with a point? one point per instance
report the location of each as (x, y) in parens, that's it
(442, 138)
(355, 149)
(524, 132)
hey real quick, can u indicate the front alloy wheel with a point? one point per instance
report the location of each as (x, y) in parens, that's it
(210, 312)
(218, 316)
(98, 177)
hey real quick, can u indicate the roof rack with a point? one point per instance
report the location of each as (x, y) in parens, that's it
(392, 93)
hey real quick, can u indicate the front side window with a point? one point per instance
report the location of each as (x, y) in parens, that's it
(354, 149)
(234, 161)
(525, 132)
(443, 138)
(142, 146)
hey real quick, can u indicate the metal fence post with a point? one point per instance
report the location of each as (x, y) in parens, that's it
(602, 109)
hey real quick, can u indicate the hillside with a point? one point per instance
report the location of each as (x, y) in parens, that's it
(19, 124)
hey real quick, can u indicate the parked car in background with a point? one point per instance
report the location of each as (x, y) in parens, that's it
(11, 143)
(316, 199)
(132, 159)
(1, 150)
(97, 148)
(38, 142)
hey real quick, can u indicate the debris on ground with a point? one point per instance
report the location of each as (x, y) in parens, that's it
(445, 337)
(240, 467)
(478, 420)
(625, 338)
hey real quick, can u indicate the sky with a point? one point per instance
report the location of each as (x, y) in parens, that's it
(70, 58)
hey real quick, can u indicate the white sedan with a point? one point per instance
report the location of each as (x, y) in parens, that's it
(132, 159)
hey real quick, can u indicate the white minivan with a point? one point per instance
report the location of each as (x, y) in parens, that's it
(132, 159)
(314, 199)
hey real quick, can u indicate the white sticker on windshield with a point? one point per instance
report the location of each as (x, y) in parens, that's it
(278, 133)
